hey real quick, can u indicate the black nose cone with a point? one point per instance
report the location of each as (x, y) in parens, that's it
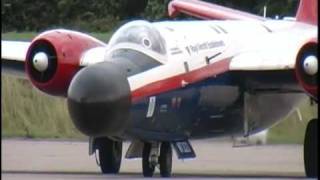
(99, 100)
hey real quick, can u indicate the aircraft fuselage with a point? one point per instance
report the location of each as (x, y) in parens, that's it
(183, 80)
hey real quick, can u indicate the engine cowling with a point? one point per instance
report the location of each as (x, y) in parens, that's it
(53, 58)
(306, 68)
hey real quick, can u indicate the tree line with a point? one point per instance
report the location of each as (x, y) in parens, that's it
(105, 15)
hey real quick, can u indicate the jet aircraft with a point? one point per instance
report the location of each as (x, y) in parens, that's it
(160, 84)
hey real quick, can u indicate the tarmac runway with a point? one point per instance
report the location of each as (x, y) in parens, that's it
(47, 159)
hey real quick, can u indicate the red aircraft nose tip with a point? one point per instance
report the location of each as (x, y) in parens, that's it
(99, 100)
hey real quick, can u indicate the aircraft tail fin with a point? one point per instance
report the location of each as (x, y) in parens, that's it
(308, 12)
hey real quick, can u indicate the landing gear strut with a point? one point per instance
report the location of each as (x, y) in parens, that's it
(311, 149)
(151, 158)
(110, 153)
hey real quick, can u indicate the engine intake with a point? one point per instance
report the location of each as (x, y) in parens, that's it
(42, 53)
(306, 69)
(53, 59)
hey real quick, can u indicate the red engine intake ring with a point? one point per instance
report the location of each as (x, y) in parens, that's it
(309, 83)
(68, 47)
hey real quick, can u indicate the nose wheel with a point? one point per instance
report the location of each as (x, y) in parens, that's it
(110, 153)
(147, 166)
(152, 157)
(165, 159)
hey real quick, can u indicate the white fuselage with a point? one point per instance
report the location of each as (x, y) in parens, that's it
(270, 45)
(248, 45)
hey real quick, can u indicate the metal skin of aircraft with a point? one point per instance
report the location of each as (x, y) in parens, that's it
(159, 84)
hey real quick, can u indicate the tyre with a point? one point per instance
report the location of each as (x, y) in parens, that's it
(165, 159)
(311, 149)
(110, 153)
(147, 167)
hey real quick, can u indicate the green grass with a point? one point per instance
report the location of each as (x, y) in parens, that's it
(26, 112)
(25, 36)
(291, 130)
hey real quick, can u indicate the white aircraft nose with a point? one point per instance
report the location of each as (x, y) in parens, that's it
(40, 61)
(310, 65)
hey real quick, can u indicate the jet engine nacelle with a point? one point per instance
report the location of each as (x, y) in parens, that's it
(53, 59)
(306, 68)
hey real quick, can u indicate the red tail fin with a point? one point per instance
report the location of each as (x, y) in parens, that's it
(308, 12)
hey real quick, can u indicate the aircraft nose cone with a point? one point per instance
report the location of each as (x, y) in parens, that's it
(99, 100)
(310, 65)
(40, 61)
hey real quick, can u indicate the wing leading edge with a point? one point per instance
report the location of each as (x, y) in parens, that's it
(13, 54)
(204, 10)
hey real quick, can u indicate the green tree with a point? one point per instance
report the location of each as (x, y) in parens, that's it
(104, 15)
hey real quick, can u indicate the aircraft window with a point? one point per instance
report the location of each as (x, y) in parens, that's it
(141, 33)
(136, 61)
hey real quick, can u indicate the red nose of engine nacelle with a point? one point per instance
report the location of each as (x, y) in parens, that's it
(306, 69)
(53, 58)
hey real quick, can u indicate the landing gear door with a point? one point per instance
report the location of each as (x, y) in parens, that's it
(184, 150)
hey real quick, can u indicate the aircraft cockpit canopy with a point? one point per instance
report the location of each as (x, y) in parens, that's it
(140, 34)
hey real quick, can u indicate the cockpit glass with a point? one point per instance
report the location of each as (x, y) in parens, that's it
(140, 33)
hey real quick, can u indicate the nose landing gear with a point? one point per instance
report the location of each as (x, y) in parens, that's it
(110, 153)
(152, 157)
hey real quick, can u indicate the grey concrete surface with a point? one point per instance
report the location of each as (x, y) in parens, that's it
(42, 159)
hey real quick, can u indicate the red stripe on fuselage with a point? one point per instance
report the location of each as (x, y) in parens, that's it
(176, 82)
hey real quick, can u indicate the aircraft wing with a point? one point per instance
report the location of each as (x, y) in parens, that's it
(302, 61)
(13, 55)
(254, 62)
(264, 57)
(204, 10)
